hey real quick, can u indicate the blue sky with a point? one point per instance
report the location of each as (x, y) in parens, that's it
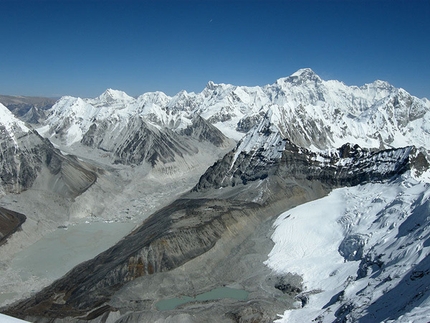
(81, 48)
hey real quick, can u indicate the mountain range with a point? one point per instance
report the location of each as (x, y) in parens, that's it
(308, 196)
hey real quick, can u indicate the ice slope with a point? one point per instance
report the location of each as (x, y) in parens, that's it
(363, 253)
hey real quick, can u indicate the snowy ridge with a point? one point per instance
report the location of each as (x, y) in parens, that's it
(265, 137)
(311, 112)
(365, 256)
(10, 122)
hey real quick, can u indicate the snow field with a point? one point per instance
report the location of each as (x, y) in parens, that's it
(308, 239)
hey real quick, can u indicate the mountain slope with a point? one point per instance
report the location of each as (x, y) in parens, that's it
(29, 161)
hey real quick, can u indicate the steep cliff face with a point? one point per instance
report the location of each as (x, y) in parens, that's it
(203, 131)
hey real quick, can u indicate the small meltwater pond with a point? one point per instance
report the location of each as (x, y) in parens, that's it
(214, 294)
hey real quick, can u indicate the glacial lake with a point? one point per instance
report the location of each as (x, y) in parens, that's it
(56, 253)
(214, 294)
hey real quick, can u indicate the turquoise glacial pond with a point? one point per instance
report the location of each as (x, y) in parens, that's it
(214, 294)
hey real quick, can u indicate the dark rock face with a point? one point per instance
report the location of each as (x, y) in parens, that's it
(24, 158)
(136, 143)
(352, 247)
(348, 166)
(247, 123)
(205, 132)
(10, 222)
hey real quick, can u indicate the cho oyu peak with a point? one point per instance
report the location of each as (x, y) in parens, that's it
(113, 96)
(301, 76)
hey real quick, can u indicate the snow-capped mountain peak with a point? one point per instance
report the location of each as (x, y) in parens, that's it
(311, 112)
(10, 126)
(111, 95)
(210, 85)
(9, 121)
(304, 74)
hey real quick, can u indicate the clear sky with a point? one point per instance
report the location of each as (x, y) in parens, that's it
(81, 48)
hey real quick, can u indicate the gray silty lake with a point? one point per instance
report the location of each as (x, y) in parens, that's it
(56, 253)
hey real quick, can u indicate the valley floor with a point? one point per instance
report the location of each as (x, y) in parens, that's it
(60, 233)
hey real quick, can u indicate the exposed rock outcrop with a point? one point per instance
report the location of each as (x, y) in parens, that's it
(25, 158)
(346, 166)
(10, 221)
(203, 131)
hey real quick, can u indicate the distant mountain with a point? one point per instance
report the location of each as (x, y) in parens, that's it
(132, 130)
(29, 109)
(311, 112)
(29, 160)
(25, 153)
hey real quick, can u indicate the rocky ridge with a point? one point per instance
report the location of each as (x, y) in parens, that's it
(264, 152)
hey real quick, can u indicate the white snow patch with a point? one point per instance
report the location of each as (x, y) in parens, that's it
(9, 319)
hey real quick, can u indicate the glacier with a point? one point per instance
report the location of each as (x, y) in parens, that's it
(381, 278)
